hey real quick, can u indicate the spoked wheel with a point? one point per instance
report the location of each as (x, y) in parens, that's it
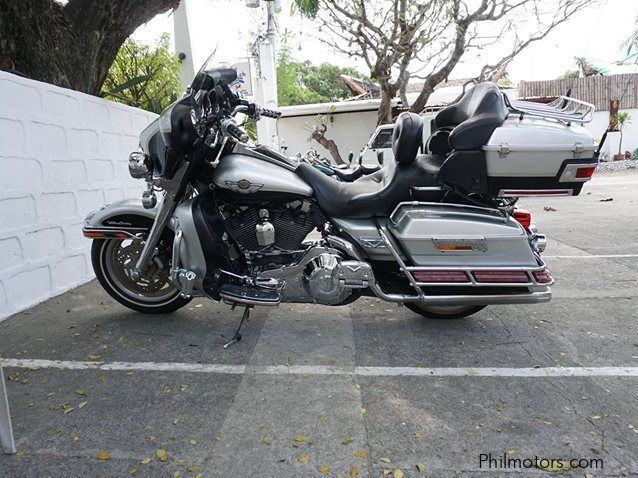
(113, 263)
(441, 312)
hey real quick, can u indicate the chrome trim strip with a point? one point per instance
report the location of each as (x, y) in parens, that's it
(107, 229)
(521, 193)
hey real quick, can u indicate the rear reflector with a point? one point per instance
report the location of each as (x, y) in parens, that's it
(523, 216)
(441, 276)
(501, 277)
(543, 276)
(441, 247)
(582, 173)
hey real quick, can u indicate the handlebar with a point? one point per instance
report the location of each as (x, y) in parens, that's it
(233, 130)
(269, 113)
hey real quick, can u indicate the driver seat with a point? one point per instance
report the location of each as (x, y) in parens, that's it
(377, 194)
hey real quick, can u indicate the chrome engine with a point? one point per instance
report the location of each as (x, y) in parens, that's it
(322, 276)
(280, 227)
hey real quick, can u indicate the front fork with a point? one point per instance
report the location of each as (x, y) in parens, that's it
(162, 218)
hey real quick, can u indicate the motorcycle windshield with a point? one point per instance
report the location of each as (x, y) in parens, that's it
(211, 73)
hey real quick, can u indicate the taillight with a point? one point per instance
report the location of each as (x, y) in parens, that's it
(501, 277)
(523, 216)
(584, 173)
(440, 276)
(543, 276)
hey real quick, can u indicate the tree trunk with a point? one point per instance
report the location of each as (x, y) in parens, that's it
(71, 45)
(384, 115)
(422, 99)
(329, 144)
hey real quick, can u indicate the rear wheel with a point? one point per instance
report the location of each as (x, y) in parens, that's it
(113, 261)
(440, 312)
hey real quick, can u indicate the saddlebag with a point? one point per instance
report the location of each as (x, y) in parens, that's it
(447, 236)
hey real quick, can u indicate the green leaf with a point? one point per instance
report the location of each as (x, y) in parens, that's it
(130, 83)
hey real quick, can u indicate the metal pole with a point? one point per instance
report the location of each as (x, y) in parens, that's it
(183, 48)
(6, 433)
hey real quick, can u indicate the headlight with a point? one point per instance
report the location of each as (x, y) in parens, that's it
(137, 165)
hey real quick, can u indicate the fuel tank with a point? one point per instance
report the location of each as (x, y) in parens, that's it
(250, 177)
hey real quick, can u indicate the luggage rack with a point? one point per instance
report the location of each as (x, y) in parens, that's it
(563, 108)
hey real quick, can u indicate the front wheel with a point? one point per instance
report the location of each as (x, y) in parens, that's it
(440, 312)
(113, 261)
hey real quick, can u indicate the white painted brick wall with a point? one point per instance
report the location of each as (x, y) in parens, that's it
(62, 154)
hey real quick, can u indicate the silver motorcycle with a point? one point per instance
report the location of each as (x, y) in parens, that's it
(436, 229)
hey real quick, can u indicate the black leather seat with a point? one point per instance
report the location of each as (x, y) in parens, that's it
(474, 117)
(377, 194)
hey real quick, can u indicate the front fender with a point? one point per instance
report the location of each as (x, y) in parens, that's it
(122, 219)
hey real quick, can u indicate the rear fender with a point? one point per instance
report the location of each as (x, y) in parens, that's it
(124, 219)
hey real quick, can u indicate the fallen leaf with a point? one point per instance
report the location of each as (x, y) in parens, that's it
(193, 468)
(501, 407)
(132, 470)
(357, 386)
(219, 437)
(511, 452)
(265, 440)
(145, 461)
(183, 387)
(192, 442)
(361, 454)
(82, 405)
(301, 439)
(304, 459)
(20, 453)
(420, 467)
(384, 459)
(68, 410)
(354, 472)
(324, 469)
(472, 372)
(94, 358)
(417, 435)
(53, 432)
(364, 410)
(161, 454)
(103, 455)
(321, 418)
(175, 421)
(398, 473)
(596, 417)
(347, 442)
(549, 209)
(75, 439)
(80, 392)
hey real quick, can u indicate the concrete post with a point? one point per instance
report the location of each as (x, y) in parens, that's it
(183, 47)
(267, 82)
(6, 432)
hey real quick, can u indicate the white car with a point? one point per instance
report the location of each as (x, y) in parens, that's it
(379, 146)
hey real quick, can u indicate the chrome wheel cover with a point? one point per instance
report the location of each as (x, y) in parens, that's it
(154, 288)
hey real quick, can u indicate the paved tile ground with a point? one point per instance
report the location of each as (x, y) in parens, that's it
(250, 423)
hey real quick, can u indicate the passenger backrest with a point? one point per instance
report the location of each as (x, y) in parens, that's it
(474, 117)
(407, 137)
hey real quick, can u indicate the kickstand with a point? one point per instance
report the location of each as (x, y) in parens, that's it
(237, 336)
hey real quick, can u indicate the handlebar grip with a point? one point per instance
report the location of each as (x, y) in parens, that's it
(270, 113)
(236, 132)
